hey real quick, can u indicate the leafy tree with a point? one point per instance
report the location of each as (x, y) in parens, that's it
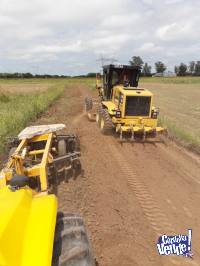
(136, 61)
(160, 67)
(146, 71)
(192, 67)
(176, 70)
(182, 69)
(197, 69)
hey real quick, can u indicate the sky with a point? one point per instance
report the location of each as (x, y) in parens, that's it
(69, 36)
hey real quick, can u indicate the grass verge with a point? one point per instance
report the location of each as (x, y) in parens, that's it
(16, 110)
(180, 135)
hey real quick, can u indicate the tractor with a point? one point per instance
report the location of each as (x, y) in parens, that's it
(32, 232)
(122, 105)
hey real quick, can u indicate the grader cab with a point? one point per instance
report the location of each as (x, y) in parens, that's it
(123, 105)
(32, 232)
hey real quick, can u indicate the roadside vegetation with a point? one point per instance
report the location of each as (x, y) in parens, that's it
(23, 101)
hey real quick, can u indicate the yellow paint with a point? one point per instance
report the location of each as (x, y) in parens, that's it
(27, 217)
(17, 162)
(27, 225)
(131, 123)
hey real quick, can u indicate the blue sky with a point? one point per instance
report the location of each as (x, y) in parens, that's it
(67, 37)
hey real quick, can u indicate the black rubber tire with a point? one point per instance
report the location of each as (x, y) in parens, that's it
(88, 104)
(62, 147)
(71, 243)
(106, 124)
(99, 114)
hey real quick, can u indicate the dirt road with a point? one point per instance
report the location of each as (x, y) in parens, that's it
(130, 193)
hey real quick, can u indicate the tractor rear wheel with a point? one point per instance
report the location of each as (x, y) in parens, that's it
(71, 243)
(106, 124)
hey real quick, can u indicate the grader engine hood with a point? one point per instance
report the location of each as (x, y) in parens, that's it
(27, 225)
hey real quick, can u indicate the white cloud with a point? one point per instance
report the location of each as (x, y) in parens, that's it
(149, 48)
(78, 31)
(109, 43)
(116, 21)
(55, 49)
(148, 1)
(175, 31)
(174, 1)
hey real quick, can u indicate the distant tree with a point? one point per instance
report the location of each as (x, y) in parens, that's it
(182, 69)
(146, 71)
(91, 75)
(192, 67)
(136, 61)
(197, 69)
(27, 75)
(160, 67)
(176, 69)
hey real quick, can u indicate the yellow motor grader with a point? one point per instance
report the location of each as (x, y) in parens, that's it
(123, 105)
(32, 232)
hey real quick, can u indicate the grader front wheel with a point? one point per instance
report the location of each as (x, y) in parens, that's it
(105, 122)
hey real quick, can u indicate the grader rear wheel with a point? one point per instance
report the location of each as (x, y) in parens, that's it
(88, 108)
(71, 243)
(88, 104)
(98, 115)
(106, 124)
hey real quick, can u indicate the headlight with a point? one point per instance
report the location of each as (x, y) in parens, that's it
(155, 113)
(118, 114)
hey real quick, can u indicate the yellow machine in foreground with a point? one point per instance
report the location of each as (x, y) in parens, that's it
(123, 105)
(31, 231)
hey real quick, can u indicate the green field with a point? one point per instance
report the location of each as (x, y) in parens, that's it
(178, 99)
(22, 101)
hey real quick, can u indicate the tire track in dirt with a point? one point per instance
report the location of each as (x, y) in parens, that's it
(156, 217)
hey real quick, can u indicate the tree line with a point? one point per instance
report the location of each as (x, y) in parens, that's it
(29, 75)
(192, 69)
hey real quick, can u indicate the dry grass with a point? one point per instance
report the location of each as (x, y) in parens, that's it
(22, 88)
(179, 110)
